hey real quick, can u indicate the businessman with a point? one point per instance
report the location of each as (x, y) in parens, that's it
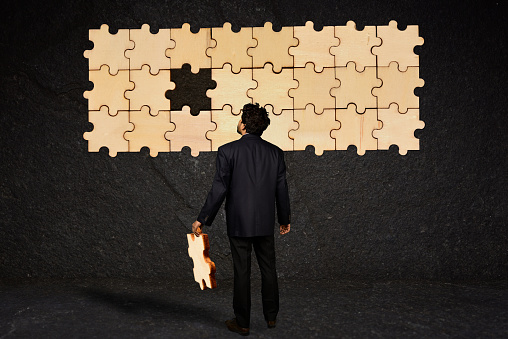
(251, 176)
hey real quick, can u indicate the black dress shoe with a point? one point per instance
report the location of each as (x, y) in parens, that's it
(271, 323)
(234, 327)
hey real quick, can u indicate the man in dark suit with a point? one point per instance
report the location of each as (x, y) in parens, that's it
(251, 176)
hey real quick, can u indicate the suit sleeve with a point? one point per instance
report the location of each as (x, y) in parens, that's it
(282, 194)
(218, 191)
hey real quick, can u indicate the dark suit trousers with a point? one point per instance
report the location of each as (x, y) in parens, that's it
(264, 247)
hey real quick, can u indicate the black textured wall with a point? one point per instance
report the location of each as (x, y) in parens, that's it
(439, 213)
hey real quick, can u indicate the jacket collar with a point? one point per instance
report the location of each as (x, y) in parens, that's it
(250, 136)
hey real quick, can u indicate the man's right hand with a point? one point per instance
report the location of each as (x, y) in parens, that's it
(285, 228)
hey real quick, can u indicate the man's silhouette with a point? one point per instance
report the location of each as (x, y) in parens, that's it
(251, 176)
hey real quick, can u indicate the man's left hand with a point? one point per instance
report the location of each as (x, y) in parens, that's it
(196, 228)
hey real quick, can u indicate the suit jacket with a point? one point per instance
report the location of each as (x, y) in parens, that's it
(251, 175)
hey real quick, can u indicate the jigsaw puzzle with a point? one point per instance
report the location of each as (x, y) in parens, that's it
(329, 89)
(204, 268)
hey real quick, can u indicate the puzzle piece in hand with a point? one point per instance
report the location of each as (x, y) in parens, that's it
(108, 49)
(278, 131)
(398, 129)
(356, 129)
(355, 46)
(190, 131)
(149, 90)
(231, 88)
(314, 129)
(190, 89)
(314, 88)
(108, 131)
(149, 131)
(314, 46)
(231, 47)
(204, 268)
(272, 88)
(355, 87)
(108, 90)
(150, 49)
(226, 124)
(397, 45)
(398, 87)
(190, 48)
(272, 47)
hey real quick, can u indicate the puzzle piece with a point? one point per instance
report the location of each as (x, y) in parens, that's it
(231, 88)
(204, 268)
(226, 124)
(398, 87)
(398, 129)
(272, 47)
(314, 46)
(355, 87)
(108, 90)
(190, 89)
(398, 45)
(190, 48)
(150, 49)
(355, 46)
(314, 129)
(108, 131)
(108, 49)
(273, 88)
(314, 88)
(149, 131)
(231, 47)
(356, 129)
(191, 131)
(149, 90)
(278, 131)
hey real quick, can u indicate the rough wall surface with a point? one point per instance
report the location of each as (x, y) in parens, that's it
(439, 213)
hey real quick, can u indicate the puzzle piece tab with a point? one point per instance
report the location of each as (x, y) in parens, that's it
(356, 129)
(398, 129)
(108, 131)
(314, 129)
(190, 131)
(398, 46)
(150, 49)
(204, 268)
(190, 48)
(314, 46)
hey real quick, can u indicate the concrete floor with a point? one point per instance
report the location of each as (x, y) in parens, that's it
(321, 309)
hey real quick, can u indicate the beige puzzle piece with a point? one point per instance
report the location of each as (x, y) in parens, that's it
(150, 49)
(231, 88)
(190, 48)
(191, 131)
(108, 131)
(204, 268)
(398, 45)
(108, 90)
(356, 129)
(314, 46)
(149, 131)
(398, 129)
(226, 127)
(149, 90)
(272, 47)
(355, 46)
(314, 129)
(355, 87)
(231, 47)
(398, 87)
(108, 49)
(272, 88)
(278, 131)
(314, 88)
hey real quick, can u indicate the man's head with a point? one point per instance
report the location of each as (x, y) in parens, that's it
(254, 118)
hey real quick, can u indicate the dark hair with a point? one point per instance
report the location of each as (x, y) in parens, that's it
(255, 118)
